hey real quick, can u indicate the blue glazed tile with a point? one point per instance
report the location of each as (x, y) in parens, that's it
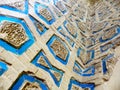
(36, 59)
(84, 71)
(116, 34)
(59, 29)
(43, 27)
(49, 43)
(91, 68)
(36, 8)
(3, 68)
(58, 1)
(18, 84)
(65, 23)
(78, 52)
(76, 65)
(26, 45)
(72, 43)
(50, 69)
(104, 63)
(90, 86)
(54, 78)
(106, 49)
(92, 53)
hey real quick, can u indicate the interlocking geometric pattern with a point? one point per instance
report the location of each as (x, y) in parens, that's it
(58, 44)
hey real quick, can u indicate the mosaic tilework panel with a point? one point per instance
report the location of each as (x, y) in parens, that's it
(58, 44)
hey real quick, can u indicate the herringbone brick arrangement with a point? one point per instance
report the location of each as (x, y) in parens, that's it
(59, 44)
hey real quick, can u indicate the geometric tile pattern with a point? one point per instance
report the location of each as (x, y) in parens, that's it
(17, 36)
(71, 29)
(75, 85)
(3, 68)
(41, 61)
(26, 82)
(60, 6)
(39, 26)
(85, 56)
(90, 71)
(44, 13)
(67, 37)
(59, 49)
(58, 44)
(104, 63)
